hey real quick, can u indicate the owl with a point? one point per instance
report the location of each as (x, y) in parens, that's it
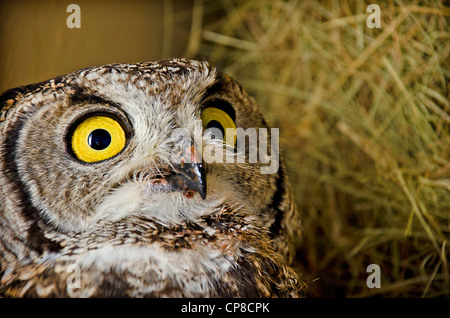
(108, 188)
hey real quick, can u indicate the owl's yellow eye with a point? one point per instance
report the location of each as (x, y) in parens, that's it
(213, 117)
(98, 138)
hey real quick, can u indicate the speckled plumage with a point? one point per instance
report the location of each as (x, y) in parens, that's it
(126, 236)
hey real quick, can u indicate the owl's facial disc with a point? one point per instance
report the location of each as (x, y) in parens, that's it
(184, 173)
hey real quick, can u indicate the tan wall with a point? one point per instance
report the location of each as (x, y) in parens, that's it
(36, 43)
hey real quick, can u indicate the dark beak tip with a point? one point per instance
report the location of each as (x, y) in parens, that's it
(190, 176)
(200, 186)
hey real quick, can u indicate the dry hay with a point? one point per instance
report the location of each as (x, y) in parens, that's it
(365, 119)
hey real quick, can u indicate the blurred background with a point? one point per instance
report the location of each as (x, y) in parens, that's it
(364, 113)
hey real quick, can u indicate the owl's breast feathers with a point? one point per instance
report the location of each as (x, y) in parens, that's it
(221, 255)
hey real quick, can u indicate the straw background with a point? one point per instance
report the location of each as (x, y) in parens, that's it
(365, 119)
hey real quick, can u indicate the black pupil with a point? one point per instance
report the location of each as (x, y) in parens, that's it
(99, 139)
(217, 125)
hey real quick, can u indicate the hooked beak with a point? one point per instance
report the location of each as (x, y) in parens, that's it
(189, 175)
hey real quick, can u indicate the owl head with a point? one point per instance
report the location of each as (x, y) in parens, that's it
(150, 179)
